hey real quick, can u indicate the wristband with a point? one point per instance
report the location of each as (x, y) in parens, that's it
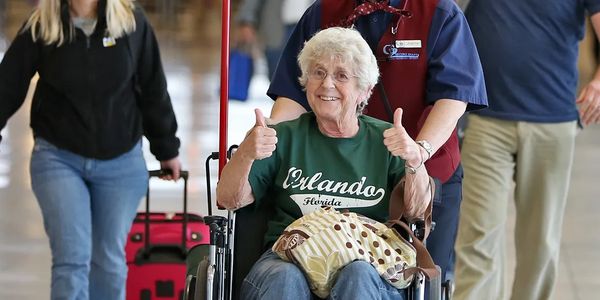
(413, 170)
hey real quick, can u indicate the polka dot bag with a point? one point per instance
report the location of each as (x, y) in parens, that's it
(323, 242)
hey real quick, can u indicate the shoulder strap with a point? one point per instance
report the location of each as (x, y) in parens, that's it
(396, 205)
(425, 263)
(386, 102)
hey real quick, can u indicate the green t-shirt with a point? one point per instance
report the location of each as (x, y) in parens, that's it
(308, 170)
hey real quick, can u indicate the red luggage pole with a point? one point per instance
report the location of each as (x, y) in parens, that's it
(225, 20)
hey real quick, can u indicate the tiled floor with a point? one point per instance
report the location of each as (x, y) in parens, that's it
(189, 35)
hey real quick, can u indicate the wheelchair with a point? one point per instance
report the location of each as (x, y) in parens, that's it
(216, 271)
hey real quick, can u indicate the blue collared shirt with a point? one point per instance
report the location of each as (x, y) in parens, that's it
(454, 70)
(529, 51)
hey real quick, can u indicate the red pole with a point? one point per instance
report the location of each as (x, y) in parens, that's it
(223, 112)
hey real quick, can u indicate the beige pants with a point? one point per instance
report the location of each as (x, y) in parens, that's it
(537, 158)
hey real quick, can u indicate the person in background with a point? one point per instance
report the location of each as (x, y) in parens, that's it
(521, 148)
(268, 22)
(101, 87)
(429, 67)
(334, 145)
(291, 12)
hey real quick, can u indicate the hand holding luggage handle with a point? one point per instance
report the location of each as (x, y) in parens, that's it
(182, 249)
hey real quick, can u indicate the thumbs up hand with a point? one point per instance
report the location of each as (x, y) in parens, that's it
(260, 119)
(399, 143)
(261, 141)
(417, 195)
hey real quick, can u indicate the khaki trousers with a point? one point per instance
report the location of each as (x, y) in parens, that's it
(530, 163)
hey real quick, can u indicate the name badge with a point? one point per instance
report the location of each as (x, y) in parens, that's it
(108, 41)
(408, 44)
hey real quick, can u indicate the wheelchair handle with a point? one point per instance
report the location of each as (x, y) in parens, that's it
(217, 225)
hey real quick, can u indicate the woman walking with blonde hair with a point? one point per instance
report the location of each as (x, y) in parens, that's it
(101, 87)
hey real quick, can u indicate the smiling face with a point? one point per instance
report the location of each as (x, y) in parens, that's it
(334, 101)
(338, 72)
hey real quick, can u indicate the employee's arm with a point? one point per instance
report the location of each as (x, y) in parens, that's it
(441, 121)
(285, 109)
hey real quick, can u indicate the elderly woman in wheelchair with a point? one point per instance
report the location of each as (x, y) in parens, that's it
(333, 156)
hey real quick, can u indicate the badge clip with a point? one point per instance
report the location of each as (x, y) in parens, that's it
(108, 41)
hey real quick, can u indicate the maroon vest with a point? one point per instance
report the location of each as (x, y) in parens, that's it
(403, 74)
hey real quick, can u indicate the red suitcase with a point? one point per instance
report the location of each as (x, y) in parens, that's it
(157, 248)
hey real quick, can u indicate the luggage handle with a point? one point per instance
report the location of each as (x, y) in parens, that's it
(159, 173)
(163, 172)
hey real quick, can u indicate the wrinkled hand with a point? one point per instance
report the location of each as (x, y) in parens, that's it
(172, 164)
(589, 103)
(399, 143)
(417, 195)
(260, 141)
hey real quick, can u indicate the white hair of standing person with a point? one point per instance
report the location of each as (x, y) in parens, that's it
(348, 47)
(46, 22)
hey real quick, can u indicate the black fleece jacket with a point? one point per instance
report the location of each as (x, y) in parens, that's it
(91, 98)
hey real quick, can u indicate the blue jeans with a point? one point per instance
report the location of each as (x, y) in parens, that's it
(88, 206)
(274, 278)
